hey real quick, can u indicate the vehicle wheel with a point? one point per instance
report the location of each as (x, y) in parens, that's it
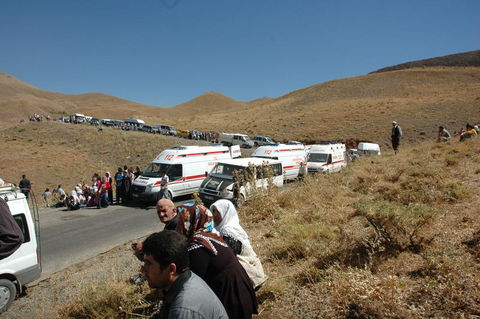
(240, 201)
(8, 292)
(256, 144)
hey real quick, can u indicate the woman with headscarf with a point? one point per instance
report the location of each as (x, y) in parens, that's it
(215, 262)
(228, 225)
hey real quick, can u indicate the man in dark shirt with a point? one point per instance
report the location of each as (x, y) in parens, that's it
(25, 186)
(167, 213)
(165, 267)
(396, 135)
(11, 236)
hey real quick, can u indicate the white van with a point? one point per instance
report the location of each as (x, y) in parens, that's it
(242, 140)
(371, 149)
(186, 168)
(23, 266)
(220, 181)
(291, 156)
(326, 158)
(77, 118)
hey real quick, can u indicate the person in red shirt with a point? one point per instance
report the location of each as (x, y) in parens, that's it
(103, 192)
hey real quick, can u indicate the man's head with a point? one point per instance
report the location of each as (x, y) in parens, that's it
(165, 258)
(394, 123)
(23, 176)
(166, 210)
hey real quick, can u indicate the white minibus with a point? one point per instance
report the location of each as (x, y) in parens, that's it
(291, 156)
(220, 181)
(186, 168)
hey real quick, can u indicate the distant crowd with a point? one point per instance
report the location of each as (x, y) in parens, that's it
(99, 193)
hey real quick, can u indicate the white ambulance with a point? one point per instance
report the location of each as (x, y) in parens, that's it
(186, 168)
(23, 265)
(220, 181)
(291, 156)
(326, 158)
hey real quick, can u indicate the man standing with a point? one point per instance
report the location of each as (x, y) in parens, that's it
(164, 185)
(119, 186)
(396, 135)
(165, 267)
(25, 186)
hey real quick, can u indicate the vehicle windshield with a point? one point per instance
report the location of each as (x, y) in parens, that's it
(317, 157)
(174, 172)
(226, 170)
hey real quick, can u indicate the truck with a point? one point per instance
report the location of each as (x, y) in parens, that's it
(221, 184)
(22, 266)
(325, 158)
(291, 156)
(186, 168)
(242, 140)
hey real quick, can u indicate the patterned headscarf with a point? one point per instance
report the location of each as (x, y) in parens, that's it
(196, 223)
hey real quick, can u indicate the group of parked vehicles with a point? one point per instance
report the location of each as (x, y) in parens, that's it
(213, 171)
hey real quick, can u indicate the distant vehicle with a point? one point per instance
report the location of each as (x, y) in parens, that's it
(294, 143)
(117, 123)
(166, 129)
(23, 266)
(77, 118)
(134, 122)
(186, 168)
(64, 119)
(183, 133)
(364, 149)
(220, 181)
(107, 122)
(147, 128)
(262, 140)
(291, 156)
(326, 158)
(242, 140)
(372, 149)
(94, 121)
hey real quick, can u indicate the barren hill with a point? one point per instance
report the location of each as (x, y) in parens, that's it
(357, 108)
(210, 102)
(471, 58)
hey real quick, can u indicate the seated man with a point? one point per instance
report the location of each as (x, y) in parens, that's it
(167, 213)
(165, 267)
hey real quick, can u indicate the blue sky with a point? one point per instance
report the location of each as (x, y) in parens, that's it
(166, 52)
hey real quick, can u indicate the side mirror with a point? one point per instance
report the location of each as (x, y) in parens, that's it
(206, 173)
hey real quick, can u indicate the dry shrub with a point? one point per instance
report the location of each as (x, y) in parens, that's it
(110, 299)
(396, 227)
(359, 294)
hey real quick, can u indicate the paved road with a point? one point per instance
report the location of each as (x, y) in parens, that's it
(68, 237)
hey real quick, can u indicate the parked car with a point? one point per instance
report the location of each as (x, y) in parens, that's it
(262, 140)
(236, 139)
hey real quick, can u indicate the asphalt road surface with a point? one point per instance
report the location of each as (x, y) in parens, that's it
(68, 237)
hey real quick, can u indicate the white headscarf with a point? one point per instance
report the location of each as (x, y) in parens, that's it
(230, 224)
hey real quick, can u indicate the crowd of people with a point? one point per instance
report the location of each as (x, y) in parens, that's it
(97, 194)
(443, 135)
(38, 117)
(202, 263)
